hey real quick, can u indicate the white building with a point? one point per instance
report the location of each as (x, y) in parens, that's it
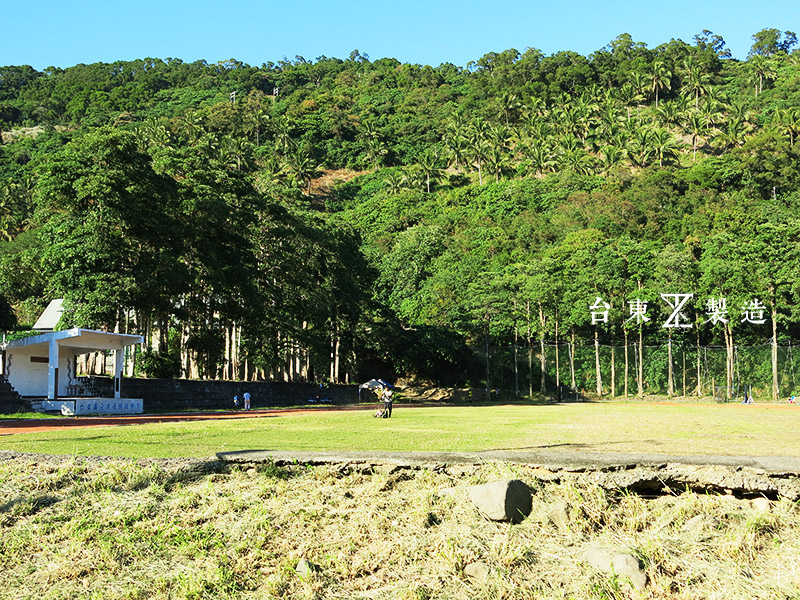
(44, 366)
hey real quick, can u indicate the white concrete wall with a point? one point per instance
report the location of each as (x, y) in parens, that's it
(30, 378)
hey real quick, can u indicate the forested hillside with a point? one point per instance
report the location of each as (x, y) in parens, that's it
(624, 222)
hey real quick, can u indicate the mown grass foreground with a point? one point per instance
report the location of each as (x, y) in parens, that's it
(190, 529)
(690, 428)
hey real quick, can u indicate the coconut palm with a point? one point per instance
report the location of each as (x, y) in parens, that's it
(577, 160)
(639, 146)
(374, 145)
(761, 69)
(477, 137)
(660, 77)
(788, 122)
(695, 126)
(731, 135)
(629, 97)
(664, 146)
(394, 182)
(284, 142)
(302, 167)
(669, 113)
(610, 158)
(495, 162)
(695, 80)
(430, 166)
(539, 158)
(639, 82)
(509, 106)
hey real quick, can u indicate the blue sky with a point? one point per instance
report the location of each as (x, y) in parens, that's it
(49, 33)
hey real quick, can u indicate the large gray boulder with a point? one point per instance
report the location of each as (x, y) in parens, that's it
(506, 500)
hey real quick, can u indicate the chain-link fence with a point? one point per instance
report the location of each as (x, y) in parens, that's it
(695, 371)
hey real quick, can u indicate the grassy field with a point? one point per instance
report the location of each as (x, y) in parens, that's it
(728, 429)
(196, 528)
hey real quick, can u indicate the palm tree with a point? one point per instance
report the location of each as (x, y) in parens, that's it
(577, 160)
(664, 146)
(669, 113)
(154, 133)
(639, 82)
(788, 121)
(639, 146)
(236, 152)
(611, 119)
(539, 158)
(9, 210)
(629, 97)
(192, 127)
(478, 144)
(739, 109)
(271, 174)
(660, 77)
(731, 135)
(303, 168)
(761, 69)
(499, 137)
(610, 158)
(712, 112)
(413, 178)
(284, 142)
(696, 80)
(394, 182)
(695, 126)
(374, 146)
(455, 140)
(495, 162)
(430, 167)
(509, 106)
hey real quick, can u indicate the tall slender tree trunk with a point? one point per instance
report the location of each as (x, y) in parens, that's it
(543, 355)
(572, 362)
(640, 382)
(530, 348)
(683, 358)
(598, 376)
(336, 359)
(699, 371)
(729, 359)
(775, 390)
(332, 365)
(613, 373)
(488, 366)
(670, 383)
(226, 366)
(625, 391)
(516, 360)
(558, 366)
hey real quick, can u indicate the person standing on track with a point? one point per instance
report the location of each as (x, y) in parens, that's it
(246, 397)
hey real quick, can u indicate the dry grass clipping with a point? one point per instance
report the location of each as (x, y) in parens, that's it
(119, 529)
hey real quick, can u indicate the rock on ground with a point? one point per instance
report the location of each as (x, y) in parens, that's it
(619, 563)
(505, 500)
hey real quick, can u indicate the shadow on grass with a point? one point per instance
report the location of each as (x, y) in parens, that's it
(200, 469)
(579, 446)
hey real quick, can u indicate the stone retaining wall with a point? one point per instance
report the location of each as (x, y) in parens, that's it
(177, 394)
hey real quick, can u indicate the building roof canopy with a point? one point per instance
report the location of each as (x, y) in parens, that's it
(86, 340)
